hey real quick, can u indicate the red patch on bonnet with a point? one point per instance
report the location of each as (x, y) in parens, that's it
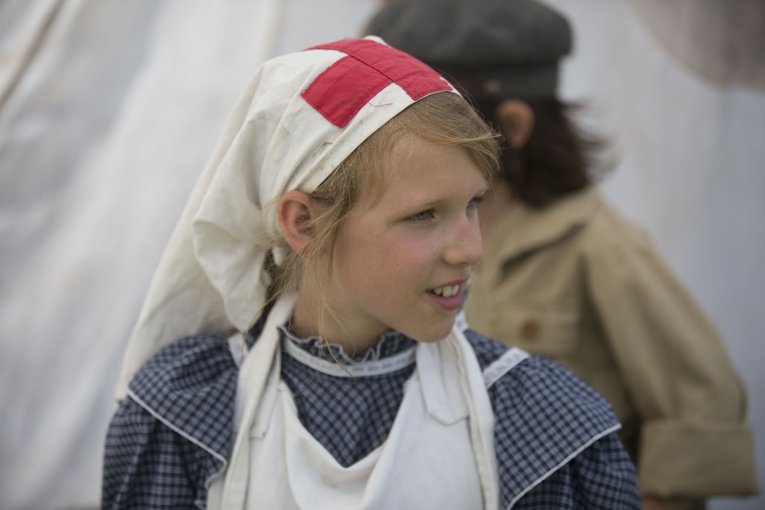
(347, 85)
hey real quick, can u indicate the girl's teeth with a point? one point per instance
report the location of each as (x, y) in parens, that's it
(447, 291)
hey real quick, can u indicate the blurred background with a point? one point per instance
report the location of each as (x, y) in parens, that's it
(109, 110)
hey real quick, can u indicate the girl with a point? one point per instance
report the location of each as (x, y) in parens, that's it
(339, 210)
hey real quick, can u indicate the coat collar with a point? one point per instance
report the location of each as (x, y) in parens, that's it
(524, 229)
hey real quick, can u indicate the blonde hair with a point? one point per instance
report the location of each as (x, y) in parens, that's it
(443, 118)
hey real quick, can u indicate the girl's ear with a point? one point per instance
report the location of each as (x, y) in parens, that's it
(295, 212)
(516, 120)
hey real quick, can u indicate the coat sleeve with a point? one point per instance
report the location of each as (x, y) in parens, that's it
(147, 465)
(694, 441)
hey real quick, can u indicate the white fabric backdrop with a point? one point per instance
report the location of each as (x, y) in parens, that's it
(109, 109)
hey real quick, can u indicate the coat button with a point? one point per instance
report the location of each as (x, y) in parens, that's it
(530, 330)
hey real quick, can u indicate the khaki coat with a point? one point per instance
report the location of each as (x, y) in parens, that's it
(577, 283)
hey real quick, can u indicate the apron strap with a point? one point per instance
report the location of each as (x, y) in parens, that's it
(450, 398)
(257, 369)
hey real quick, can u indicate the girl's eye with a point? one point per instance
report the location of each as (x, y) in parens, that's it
(475, 202)
(421, 217)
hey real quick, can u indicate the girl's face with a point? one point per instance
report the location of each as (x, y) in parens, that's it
(402, 262)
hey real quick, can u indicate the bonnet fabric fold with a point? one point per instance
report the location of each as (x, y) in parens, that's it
(300, 117)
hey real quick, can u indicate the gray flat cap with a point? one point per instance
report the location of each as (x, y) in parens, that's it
(512, 46)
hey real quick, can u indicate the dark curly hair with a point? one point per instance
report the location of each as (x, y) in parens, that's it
(559, 158)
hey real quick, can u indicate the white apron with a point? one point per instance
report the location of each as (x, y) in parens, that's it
(438, 454)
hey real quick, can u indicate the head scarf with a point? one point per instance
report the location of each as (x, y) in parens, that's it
(299, 118)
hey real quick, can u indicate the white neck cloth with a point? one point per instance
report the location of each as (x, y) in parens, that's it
(299, 118)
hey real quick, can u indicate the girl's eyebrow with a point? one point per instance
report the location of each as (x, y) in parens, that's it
(414, 204)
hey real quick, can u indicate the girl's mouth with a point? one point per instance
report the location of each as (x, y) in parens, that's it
(448, 297)
(447, 291)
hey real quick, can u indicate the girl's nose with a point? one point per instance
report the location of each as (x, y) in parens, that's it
(466, 247)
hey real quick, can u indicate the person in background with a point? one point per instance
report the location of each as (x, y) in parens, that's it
(564, 275)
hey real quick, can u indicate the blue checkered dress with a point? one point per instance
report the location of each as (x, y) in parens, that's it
(554, 437)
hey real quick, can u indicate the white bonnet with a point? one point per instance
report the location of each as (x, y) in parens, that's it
(300, 117)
